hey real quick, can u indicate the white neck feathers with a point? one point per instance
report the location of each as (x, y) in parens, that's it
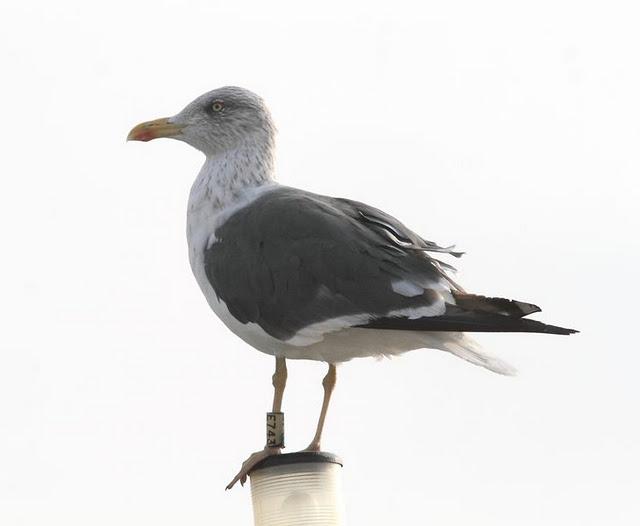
(225, 178)
(226, 182)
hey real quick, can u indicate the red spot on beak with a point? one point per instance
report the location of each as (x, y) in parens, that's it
(144, 136)
(150, 130)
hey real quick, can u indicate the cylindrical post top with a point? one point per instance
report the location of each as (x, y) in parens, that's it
(297, 489)
(300, 457)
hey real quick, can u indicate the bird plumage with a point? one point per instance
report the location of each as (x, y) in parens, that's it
(305, 276)
(286, 269)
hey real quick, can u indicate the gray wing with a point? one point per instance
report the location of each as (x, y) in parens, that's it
(390, 227)
(300, 265)
(398, 234)
(292, 259)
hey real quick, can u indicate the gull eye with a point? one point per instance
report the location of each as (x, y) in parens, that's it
(217, 105)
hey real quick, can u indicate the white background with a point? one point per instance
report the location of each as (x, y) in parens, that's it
(510, 128)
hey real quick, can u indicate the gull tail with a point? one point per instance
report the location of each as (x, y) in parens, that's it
(468, 349)
(471, 313)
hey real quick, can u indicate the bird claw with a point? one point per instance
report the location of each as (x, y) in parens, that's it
(250, 463)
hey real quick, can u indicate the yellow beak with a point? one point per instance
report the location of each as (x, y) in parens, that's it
(150, 130)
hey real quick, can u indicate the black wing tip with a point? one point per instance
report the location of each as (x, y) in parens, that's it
(527, 308)
(552, 329)
(477, 303)
(477, 323)
(537, 309)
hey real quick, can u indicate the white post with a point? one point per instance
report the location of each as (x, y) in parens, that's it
(298, 489)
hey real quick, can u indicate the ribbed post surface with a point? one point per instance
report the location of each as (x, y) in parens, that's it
(298, 489)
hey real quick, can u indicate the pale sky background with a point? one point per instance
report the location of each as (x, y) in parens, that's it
(509, 128)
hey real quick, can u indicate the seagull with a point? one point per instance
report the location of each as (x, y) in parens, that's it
(303, 276)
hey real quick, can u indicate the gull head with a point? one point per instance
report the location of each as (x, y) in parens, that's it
(218, 121)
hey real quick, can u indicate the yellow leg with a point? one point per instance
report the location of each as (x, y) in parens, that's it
(279, 380)
(328, 383)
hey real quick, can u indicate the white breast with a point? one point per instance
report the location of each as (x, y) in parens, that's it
(203, 220)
